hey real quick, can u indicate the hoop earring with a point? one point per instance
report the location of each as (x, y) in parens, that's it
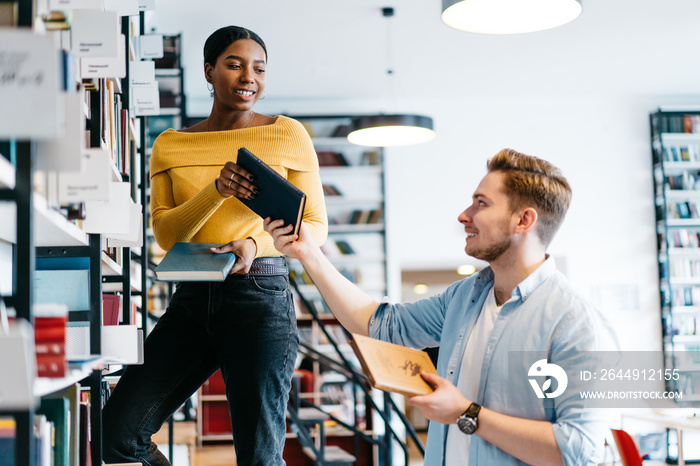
(264, 94)
(210, 88)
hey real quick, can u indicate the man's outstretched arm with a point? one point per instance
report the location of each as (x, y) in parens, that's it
(350, 305)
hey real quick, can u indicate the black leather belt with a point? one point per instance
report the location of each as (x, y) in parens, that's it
(269, 266)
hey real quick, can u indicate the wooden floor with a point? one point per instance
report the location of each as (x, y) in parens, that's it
(185, 433)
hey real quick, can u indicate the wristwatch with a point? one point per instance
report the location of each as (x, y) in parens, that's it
(467, 422)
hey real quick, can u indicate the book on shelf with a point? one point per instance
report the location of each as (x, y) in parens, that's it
(57, 411)
(278, 198)
(344, 247)
(391, 367)
(194, 262)
(329, 158)
(331, 190)
(341, 131)
(111, 308)
(50, 339)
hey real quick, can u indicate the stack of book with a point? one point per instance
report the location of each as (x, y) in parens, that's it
(50, 339)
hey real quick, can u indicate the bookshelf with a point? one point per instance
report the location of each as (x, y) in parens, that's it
(56, 213)
(353, 182)
(675, 144)
(170, 76)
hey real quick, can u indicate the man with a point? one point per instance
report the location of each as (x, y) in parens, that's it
(482, 408)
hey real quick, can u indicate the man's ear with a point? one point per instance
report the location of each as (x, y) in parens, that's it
(527, 220)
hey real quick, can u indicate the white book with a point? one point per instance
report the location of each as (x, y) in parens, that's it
(111, 216)
(122, 344)
(17, 390)
(65, 153)
(133, 239)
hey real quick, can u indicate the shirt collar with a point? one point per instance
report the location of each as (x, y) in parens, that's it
(527, 286)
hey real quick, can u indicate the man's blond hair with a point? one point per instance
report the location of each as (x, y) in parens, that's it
(532, 182)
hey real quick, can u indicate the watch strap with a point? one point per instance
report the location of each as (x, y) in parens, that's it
(472, 411)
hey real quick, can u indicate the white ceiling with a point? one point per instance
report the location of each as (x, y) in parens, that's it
(339, 50)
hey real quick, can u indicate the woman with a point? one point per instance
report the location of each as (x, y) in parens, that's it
(245, 325)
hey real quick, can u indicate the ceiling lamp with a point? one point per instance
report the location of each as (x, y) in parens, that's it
(508, 16)
(391, 130)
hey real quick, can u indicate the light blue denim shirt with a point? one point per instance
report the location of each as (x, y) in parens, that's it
(545, 315)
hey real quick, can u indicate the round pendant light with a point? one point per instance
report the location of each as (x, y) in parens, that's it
(508, 16)
(391, 130)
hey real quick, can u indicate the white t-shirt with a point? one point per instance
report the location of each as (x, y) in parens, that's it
(457, 447)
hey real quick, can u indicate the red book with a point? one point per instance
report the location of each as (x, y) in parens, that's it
(45, 322)
(49, 365)
(111, 307)
(49, 334)
(50, 347)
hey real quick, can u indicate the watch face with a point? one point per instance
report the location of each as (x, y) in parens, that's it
(467, 425)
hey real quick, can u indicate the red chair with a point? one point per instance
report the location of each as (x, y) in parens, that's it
(629, 453)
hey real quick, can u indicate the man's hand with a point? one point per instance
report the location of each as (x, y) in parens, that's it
(244, 249)
(294, 246)
(444, 405)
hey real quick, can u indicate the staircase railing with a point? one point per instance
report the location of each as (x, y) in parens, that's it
(359, 381)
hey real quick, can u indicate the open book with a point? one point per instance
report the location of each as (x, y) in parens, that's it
(393, 368)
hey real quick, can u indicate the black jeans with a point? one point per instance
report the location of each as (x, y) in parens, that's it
(245, 325)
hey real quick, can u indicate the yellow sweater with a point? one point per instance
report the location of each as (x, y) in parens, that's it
(185, 204)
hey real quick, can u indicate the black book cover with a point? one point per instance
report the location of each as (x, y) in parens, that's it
(277, 197)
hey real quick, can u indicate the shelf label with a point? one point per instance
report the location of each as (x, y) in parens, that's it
(94, 33)
(29, 86)
(145, 5)
(75, 5)
(91, 184)
(123, 7)
(150, 46)
(105, 67)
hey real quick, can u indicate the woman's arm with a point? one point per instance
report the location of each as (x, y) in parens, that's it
(171, 223)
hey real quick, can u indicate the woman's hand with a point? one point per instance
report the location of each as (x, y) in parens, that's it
(234, 180)
(294, 246)
(444, 405)
(244, 249)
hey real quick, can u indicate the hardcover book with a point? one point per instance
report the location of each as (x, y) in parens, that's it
(391, 367)
(191, 262)
(277, 197)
